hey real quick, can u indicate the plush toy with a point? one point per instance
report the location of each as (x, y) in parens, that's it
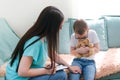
(85, 43)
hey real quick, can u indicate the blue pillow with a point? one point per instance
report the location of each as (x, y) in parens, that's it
(8, 40)
(71, 20)
(1, 62)
(64, 45)
(113, 28)
(100, 28)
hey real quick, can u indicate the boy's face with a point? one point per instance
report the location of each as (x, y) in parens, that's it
(83, 36)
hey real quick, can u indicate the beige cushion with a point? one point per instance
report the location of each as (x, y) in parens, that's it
(107, 62)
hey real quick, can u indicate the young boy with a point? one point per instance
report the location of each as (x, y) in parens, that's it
(86, 64)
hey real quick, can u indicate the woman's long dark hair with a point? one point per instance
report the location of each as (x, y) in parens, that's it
(47, 25)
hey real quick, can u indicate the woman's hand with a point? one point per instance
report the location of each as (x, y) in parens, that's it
(50, 70)
(75, 69)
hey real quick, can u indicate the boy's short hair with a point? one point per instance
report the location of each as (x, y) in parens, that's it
(80, 26)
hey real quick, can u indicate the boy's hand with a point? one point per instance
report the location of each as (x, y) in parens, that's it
(82, 50)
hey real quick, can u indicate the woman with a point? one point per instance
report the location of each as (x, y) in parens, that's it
(39, 42)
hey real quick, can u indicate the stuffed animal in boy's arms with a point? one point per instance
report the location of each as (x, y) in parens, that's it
(85, 43)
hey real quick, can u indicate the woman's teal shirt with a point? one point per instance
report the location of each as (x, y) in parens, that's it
(38, 51)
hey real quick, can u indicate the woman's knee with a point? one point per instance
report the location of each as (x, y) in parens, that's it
(60, 75)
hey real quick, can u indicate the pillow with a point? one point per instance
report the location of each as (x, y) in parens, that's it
(113, 28)
(1, 62)
(100, 28)
(8, 40)
(71, 20)
(64, 45)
